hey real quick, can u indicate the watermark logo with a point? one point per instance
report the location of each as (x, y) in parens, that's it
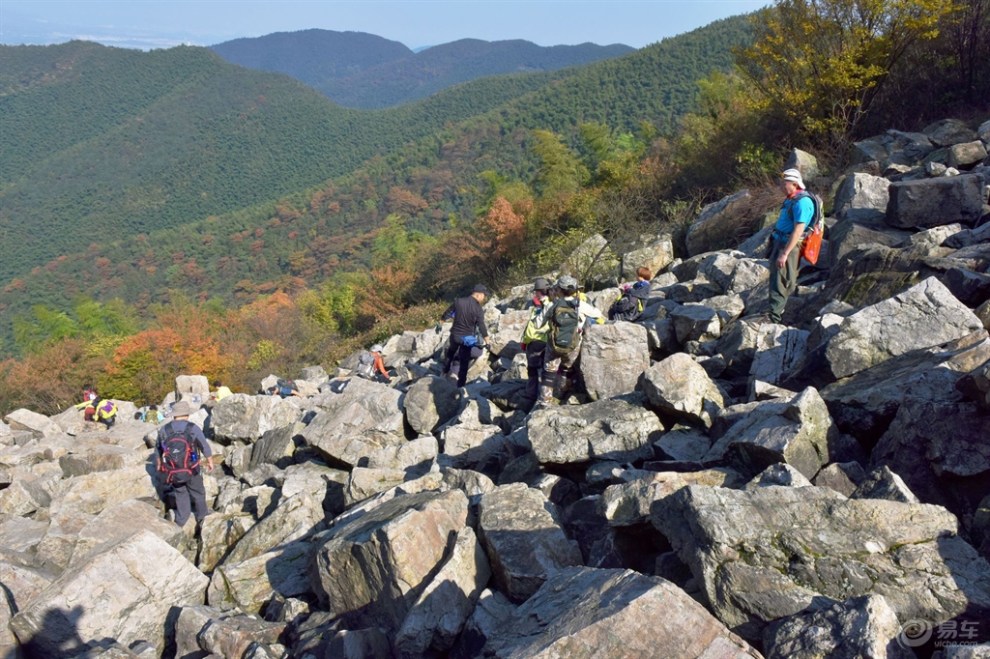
(915, 633)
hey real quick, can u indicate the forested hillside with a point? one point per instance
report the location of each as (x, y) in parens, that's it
(363, 71)
(509, 175)
(157, 224)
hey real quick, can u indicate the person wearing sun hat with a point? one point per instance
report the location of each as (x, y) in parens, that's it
(181, 448)
(534, 338)
(796, 214)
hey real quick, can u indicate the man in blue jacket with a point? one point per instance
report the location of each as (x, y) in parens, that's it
(796, 214)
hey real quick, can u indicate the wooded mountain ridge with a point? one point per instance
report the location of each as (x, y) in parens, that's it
(176, 170)
(360, 70)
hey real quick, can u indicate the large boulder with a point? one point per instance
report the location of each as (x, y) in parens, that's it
(862, 197)
(606, 429)
(925, 315)
(244, 418)
(38, 425)
(430, 402)
(654, 253)
(587, 613)
(437, 617)
(142, 579)
(680, 387)
(941, 451)
(936, 201)
(865, 403)
(613, 356)
(796, 432)
(859, 627)
(373, 569)
(522, 536)
(766, 553)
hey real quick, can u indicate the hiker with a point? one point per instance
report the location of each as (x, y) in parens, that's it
(101, 410)
(534, 338)
(631, 303)
(371, 366)
(796, 214)
(221, 391)
(469, 331)
(283, 389)
(179, 448)
(566, 319)
(150, 414)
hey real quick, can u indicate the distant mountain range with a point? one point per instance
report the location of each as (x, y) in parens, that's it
(127, 173)
(359, 70)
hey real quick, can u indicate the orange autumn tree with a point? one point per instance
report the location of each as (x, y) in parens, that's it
(183, 342)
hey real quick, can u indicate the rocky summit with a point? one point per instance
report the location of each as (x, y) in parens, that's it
(714, 485)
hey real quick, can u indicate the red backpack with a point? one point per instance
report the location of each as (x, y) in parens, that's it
(179, 458)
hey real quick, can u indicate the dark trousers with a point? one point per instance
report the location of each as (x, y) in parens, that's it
(180, 497)
(462, 353)
(783, 281)
(535, 358)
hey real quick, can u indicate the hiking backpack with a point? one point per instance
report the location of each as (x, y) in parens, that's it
(811, 245)
(366, 364)
(179, 458)
(565, 324)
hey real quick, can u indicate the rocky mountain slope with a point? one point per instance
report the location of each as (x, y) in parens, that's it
(716, 485)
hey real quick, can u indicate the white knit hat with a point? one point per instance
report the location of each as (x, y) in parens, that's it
(794, 176)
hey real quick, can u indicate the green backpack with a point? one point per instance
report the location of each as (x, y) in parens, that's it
(564, 326)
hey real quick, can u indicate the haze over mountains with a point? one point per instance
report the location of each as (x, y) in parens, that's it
(365, 71)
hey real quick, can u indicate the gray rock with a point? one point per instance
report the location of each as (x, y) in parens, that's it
(248, 585)
(859, 627)
(148, 577)
(655, 253)
(767, 553)
(373, 569)
(680, 387)
(843, 477)
(946, 132)
(932, 202)
(715, 225)
(882, 483)
(604, 429)
(522, 537)
(430, 402)
(925, 315)
(437, 617)
(779, 349)
(941, 451)
(798, 432)
(244, 418)
(862, 198)
(584, 613)
(865, 403)
(38, 425)
(695, 322)
(613, 357)
(967, 154)
(627, 504)
(202, 629)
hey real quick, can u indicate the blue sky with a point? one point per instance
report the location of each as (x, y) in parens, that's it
(416, 23)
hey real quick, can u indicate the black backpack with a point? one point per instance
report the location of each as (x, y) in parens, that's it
(180, 461)
(565, 324)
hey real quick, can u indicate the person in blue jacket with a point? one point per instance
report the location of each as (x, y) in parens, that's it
(796, 214)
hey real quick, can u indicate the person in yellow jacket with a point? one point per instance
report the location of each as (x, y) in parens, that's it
(534, 338)
(102, 410)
